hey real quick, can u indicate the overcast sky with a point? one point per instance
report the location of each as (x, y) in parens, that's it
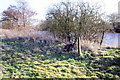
(41, 6)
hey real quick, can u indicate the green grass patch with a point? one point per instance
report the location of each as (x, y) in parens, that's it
(34, 60)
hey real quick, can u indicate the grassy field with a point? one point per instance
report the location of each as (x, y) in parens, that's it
(23, 58)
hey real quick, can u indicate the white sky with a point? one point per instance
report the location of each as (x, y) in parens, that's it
(41, 6)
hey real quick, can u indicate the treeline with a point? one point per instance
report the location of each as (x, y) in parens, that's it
(68, 21)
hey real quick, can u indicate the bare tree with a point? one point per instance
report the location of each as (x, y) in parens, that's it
(26, 15)
(61, 20)
(113, 18)
(70, 21)
(18, 16)
(10, 17)
(67, 19)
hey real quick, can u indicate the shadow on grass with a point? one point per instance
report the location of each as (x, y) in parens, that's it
(42, 49)
(108, 66)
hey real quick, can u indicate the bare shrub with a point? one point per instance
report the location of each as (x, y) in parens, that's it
(89, 46)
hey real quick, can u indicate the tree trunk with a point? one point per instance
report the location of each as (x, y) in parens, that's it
(68, 38)
(79, 47)
(103, 33)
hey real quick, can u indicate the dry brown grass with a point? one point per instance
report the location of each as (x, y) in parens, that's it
(90, 45)
(5, 33)
(34, 34)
